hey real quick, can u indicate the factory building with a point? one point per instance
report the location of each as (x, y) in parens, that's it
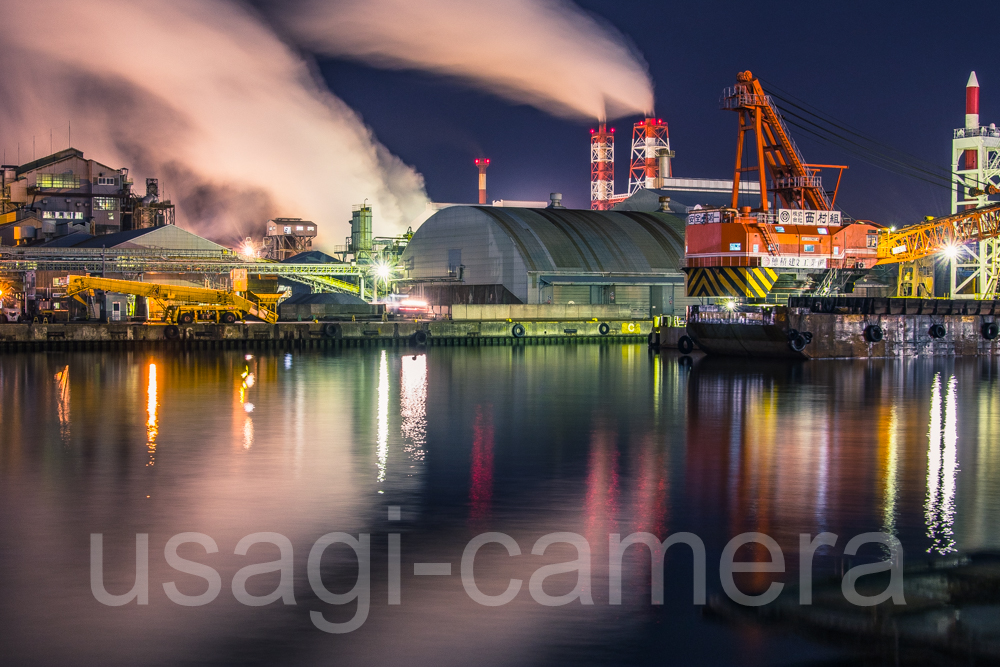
(58, 194)
(486, 254)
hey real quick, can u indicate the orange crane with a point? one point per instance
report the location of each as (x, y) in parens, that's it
(796, 183)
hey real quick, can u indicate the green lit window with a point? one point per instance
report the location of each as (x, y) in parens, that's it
(808, 248)
(105, 203)
(57, 181)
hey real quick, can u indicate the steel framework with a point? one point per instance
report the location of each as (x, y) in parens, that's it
(602, 168)
(975, 168)
(649, 138)
(941, 234)
(795, 184)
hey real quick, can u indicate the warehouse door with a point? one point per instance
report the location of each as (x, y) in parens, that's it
(564, 294)
(635, 297)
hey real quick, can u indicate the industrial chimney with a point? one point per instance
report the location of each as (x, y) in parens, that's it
(482, 164)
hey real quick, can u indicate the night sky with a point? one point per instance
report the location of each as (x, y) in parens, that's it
(894, 71)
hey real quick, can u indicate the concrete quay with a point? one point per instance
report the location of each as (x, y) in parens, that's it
(84, 336)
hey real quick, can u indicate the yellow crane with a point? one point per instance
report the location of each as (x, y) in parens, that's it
(913, 247)
(182, 304)
(931, 237)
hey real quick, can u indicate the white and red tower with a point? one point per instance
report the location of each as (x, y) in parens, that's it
(650, 155)
(482, 164)
(602, 167)
(975, 168)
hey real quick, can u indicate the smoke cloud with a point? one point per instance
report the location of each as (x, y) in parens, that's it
(204, 95)
(231, 116)
(547, 53)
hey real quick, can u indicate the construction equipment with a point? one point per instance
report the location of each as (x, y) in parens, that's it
(185, 305)
(913, 248)
(739, 250)
(938, 235)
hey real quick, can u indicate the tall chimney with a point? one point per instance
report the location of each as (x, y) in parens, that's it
(972, 103)
(482, 164)
(972, 117)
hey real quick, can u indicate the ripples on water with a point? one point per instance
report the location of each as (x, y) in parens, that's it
(526, 441)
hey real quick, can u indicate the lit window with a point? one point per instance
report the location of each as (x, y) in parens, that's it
(312, 229)
(288, 230)
(105, 203)
(299, 228)
(57, 181)
(822, 230)
(48, 214)
(809, 248)
(735, 247)
(780, 230)
(77, 215)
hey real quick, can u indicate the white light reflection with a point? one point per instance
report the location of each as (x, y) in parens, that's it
(413, 405)
(942, 468)
(288, 361)
(151, 405)
(891, 494)
(62, 403)
(383, 416)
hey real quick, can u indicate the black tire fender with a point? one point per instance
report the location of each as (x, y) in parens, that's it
(685, 345)
(937, 331)
(171, 331)
(331, 330)
(990, 330)
(421, 337)
(798, 343)
(874, 333)
(605, 328)
(517, 330)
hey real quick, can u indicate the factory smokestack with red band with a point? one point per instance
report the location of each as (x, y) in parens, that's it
(972, 117)
(972, 103)
(482, 164)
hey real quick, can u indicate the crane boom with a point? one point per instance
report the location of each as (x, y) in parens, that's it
(261, 307)
(925, 239)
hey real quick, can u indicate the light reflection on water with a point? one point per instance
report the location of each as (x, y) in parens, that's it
(525, 441)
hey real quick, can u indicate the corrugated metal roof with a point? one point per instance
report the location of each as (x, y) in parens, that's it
(167, 236)
(550, 239)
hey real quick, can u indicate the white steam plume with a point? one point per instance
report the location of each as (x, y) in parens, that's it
(547, 53)
(204, 95)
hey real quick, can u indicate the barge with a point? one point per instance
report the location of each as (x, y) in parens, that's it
(842, 327)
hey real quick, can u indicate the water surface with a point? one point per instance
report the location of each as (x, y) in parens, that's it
(585, 439)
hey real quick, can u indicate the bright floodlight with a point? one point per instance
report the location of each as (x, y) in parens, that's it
(383, 271)
(951, 251)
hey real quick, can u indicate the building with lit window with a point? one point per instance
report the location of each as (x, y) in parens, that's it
(60, 194)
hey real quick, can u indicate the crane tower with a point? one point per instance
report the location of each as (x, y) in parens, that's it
(975, 167)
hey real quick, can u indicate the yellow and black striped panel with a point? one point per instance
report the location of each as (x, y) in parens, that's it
(727, 281)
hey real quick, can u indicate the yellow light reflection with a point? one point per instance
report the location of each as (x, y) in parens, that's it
(383, 416)
(942, 468)
(413, 405)
(62, 402)
(151, 405)
(890, 495)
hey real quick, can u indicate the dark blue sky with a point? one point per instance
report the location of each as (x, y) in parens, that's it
(894, 71)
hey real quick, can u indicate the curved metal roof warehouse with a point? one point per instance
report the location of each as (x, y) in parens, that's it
(484, 254)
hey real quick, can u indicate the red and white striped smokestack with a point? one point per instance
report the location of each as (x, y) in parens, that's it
(972, 103)
(482, 164)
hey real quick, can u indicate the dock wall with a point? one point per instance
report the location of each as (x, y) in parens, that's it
(306, 335)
